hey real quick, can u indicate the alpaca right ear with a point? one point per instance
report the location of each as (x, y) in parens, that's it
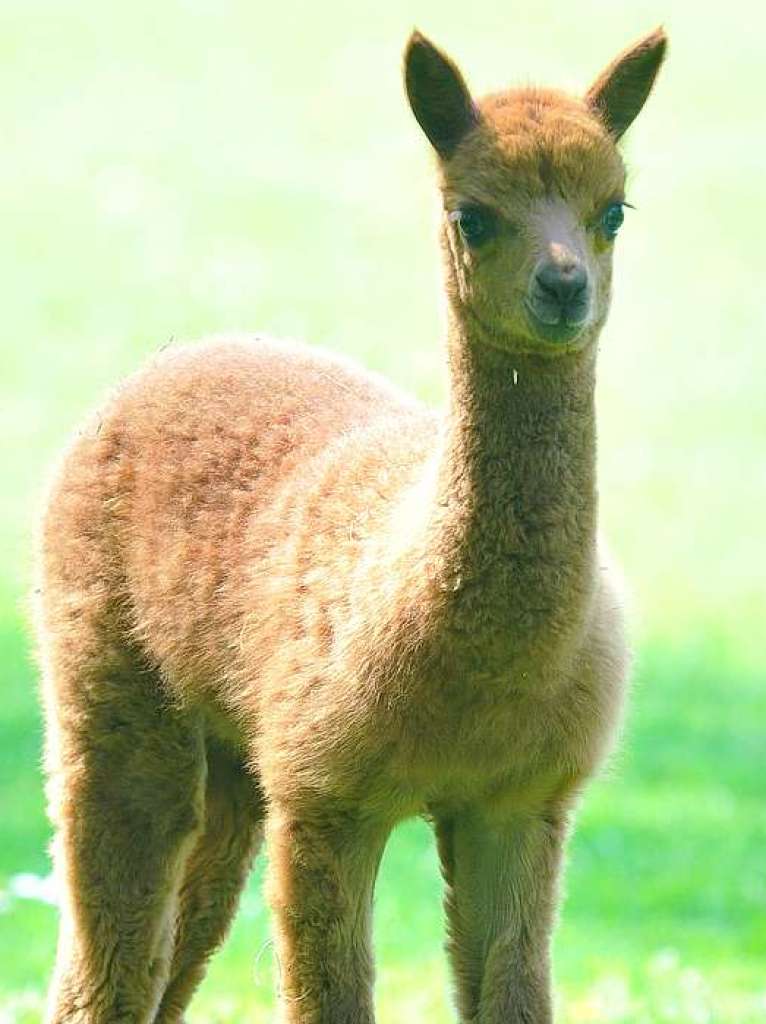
(622, 88)
(439, 97)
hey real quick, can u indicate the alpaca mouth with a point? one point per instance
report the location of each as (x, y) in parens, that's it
(555, 325)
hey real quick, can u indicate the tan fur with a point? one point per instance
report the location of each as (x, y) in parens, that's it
(276, 593)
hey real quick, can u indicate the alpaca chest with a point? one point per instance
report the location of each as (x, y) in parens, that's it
(496, 740)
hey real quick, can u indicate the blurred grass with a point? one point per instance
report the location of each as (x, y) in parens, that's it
(188, 167)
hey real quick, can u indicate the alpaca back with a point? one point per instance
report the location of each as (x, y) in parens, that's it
(184, 485)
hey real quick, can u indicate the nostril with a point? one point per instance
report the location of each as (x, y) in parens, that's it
(564, 282)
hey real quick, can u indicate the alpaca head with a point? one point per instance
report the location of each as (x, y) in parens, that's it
(533, 194)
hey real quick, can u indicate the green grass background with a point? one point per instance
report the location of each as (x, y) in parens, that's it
(174, 169)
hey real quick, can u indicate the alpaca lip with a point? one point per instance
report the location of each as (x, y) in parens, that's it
(562, 329)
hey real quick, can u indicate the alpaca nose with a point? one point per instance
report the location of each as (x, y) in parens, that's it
(559, 295)
(565, 283)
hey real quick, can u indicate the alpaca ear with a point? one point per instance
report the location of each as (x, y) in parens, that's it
(439, 97)
(622, 88)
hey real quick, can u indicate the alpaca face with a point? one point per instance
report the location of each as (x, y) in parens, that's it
(533, 193)
(532, 203)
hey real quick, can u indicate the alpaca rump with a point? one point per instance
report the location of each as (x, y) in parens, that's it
(279, 598)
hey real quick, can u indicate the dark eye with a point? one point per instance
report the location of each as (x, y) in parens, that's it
(476, 223)
(611, 220)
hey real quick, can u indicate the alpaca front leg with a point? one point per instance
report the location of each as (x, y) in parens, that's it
(322, 875)
(501, 894)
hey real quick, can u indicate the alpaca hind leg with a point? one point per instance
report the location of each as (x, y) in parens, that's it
(214, 877)
(126, 778)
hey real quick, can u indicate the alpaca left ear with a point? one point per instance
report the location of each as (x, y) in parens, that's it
(621, 90)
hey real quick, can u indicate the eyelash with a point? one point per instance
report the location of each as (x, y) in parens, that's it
(486, 222)
(600, 224)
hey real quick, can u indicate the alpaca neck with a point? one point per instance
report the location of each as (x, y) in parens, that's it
(511, 537)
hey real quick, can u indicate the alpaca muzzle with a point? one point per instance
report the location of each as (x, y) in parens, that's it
(559, 297)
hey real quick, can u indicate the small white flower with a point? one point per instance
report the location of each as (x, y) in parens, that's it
(27, 886)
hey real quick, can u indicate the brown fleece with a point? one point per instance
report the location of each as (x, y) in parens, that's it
(276, 595)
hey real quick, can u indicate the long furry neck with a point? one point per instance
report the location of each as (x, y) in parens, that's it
(511, 538)
(489, 561)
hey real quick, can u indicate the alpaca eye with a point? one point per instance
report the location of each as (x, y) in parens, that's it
(611, 220)
(476, 223)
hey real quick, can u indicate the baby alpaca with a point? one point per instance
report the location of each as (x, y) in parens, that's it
(278, 597)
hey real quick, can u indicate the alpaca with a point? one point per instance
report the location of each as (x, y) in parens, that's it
(280, 599)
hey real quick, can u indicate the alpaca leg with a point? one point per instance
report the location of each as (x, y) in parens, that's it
(214, 877)
(126, 782)
(322, 874)
(500, 899)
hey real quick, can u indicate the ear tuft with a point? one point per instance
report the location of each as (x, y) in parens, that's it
(439, 97)
(621, 90)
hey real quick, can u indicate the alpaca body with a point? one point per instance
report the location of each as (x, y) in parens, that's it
(279, 597)
(270, 635)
